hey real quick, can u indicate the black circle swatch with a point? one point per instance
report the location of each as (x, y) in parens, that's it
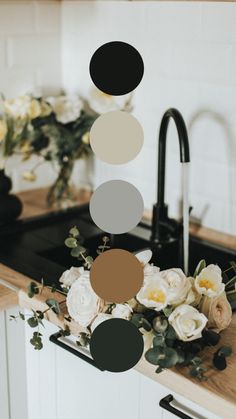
(116, 345)
(116, 68)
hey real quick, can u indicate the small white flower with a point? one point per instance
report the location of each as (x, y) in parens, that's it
(209, 282)
(144, 257)
(70, 276)
(23, 107)
(101, 102)
(82, 302)
(66, 108)
(154, 293)
(178, 285)
(101, 317)
(187, 322)
(122, 311)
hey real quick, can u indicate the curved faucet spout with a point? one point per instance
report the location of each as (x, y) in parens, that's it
(162, 226)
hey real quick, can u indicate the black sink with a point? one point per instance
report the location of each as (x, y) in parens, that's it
(35, 247)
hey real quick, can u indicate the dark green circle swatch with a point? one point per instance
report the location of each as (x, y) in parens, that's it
(116, 345)
(116, 68)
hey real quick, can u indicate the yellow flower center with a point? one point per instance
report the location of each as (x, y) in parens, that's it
(207, 283)
(158, 296)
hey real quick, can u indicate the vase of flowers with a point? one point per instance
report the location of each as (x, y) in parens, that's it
(56, 130)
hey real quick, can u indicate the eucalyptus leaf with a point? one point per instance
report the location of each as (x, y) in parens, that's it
(71, 242)
(219, 361)
(153, 355)
(170, 358)
(33, 322)
(225, 350)
(53, 304)
(32, 289)
(74, 231)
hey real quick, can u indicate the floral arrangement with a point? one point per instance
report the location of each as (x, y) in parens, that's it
(178, 315)
(56, 129)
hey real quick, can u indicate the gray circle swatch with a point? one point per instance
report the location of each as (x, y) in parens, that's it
(116, 206)
(116, 137)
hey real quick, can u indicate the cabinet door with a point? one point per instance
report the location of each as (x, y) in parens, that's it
(84, 392)
(189, 408)
(4, 396)
(41, 375)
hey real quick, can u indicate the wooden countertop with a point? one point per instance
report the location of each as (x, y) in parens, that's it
(218, 394)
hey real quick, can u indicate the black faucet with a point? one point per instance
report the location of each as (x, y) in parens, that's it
(165, 229)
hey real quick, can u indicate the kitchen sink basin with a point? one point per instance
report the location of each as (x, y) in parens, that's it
(35, 247)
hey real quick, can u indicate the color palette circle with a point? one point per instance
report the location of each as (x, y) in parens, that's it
(116, 206)
(116, 345)
(116, 275)
(116, 68)
(116, 137)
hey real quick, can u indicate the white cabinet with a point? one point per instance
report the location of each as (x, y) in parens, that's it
(54, 383)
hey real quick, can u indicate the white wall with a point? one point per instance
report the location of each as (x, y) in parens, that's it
(189, 52)
(30, 62)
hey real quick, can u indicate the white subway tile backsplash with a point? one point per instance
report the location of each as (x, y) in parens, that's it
(16, 17)
(33, 51)
(47, 17)
(219, 22)
(201, 61)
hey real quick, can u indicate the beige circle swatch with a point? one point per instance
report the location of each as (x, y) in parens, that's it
(116, 206)
(116, 137)
(116, 276)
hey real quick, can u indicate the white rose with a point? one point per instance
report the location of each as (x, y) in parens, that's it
(18, 108)
(82, 302)
(66, 108)
(209, 281)
(187, 322)
(70, 276)
(122, 311)
(153, 293)
(101, 317)
(178, 285)
(144, 257)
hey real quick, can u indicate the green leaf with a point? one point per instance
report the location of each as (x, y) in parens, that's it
(53, 304)
(22, 316)
(146, 325)
(158, 370)
(32, 289)
(225, 350)
(210, 337)
(153, 355)
(71, 242)
(219, 361)
(74, 231)
(170, 358)
(33, 322)
(201, 265)
(158, 341)
(170, 334)
(168, 310)
(75, 252)
(136, 319)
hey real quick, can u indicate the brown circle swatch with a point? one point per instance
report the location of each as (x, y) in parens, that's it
(116, 275)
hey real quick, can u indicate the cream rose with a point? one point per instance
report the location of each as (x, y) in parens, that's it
(178, 285)
(67, 108)
(101, 317)
(153, 293)
(187, 322)
(3, 129)
(122, 311)
(144, 257)
(209, 281)
(23, 107)
(218, 311)
(70, 276)
(82, 302)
